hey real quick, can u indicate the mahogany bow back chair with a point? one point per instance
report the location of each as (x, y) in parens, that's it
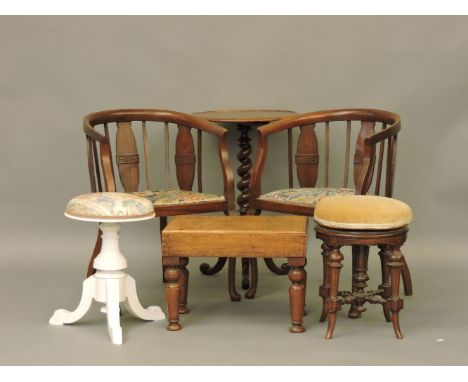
(373, 167)
(102, 143)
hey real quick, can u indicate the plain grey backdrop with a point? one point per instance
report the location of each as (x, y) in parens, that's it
(54, 70)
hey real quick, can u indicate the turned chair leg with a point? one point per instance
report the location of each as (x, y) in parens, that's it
(162, 225)
(384, 254)
(232, 280)
(184, 280)
(335, 257)
(405, 273)
(253, 279)
(172, 275)
(395, 302)
(324, 290)
(297, 298)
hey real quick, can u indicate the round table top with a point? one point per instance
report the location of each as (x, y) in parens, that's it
(244, 116)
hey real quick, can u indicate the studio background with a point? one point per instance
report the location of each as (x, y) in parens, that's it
(54, 70)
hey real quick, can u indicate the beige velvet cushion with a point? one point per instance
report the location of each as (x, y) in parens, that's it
(109, 207)
(362, 212)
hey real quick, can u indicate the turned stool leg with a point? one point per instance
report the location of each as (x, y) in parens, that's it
(395, 302)
(384, 254)
(360, 278)
(324, 290)
(296, 298)
(304, 311)
(172, 275)
(162, 225)
(184, 280)
(335, 257)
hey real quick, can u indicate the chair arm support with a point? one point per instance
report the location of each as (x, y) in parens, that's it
(228, 175)
(255, 187)
(93, 134)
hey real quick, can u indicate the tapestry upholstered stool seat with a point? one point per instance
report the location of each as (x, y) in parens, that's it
(231, 237)
(361, 221)
(109, 285)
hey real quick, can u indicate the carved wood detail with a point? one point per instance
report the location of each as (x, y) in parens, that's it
(185, 158)
(307, 157)
(127, 157)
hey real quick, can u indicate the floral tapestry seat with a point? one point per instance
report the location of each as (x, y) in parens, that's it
(307, 197)
(166, 198)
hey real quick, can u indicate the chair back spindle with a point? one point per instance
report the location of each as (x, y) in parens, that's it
(391, 164)
(199, 161)
(290, 165)
(167, 169)
(147, 156)
(97, 163)
(347, 148)
(380, 164)
(327, 152)
(91, 169)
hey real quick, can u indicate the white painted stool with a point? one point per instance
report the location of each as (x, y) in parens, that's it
(109, 285)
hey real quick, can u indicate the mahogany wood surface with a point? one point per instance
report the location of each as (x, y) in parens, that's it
(236, 236)
(246, 116)
(256, 236)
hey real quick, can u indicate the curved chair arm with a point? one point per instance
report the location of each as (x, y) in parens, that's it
(370, 149)
(153, 115)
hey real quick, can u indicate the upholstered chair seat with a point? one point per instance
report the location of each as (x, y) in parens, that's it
(161, 198)
(307, 197)
(362, 212)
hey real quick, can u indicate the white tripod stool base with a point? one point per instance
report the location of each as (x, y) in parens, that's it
(111, 286)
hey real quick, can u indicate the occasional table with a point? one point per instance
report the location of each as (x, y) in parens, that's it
(244, 121)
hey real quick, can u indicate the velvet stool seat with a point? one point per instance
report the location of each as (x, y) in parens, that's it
(109, 285)
(361, 221)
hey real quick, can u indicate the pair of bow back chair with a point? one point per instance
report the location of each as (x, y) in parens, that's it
(375, 150)
(114, 132)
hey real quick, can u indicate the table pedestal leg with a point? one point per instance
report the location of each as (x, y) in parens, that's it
(245, 149)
